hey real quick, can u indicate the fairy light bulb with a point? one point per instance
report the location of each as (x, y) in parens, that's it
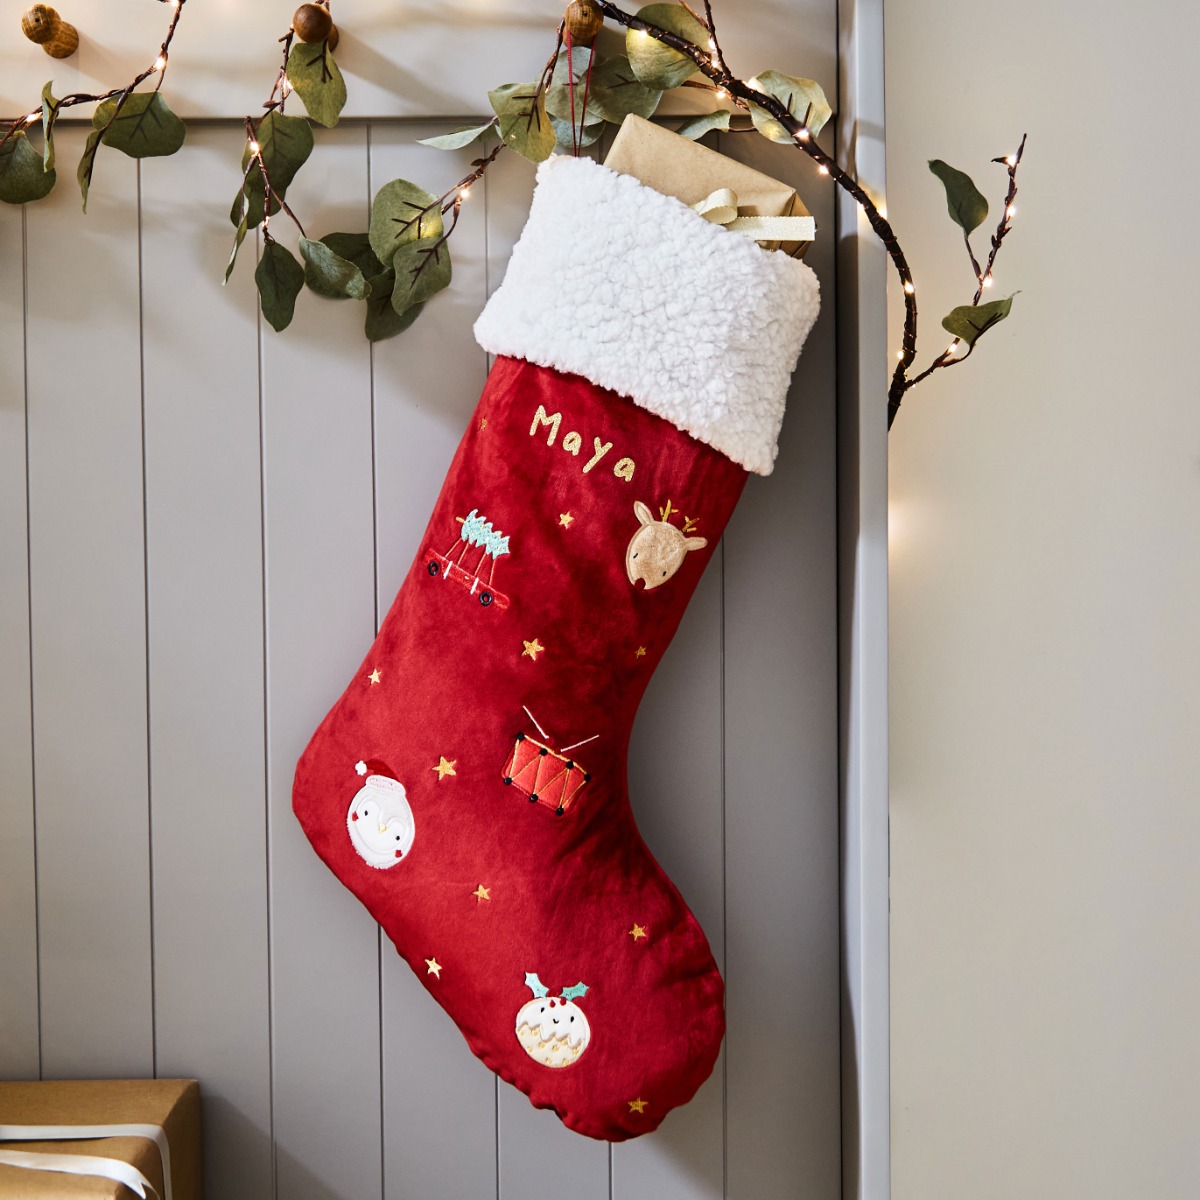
(712, 44)
(908, 287)
(822, 170)
(254, 146)
(802, 133)
(953, 347)
(1011, 160)
(160, 62)
(287, 87)
(464, 192)
(1010, 211)
(722, 94)
(33, 116)
(987, 281)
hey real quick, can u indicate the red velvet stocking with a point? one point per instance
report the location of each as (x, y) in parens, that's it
(469, 786)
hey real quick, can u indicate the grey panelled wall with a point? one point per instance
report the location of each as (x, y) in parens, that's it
(217, 517)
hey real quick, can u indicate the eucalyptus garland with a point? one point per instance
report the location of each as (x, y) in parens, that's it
(402, 260)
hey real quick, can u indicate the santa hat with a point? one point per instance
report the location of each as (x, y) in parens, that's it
(379, 774)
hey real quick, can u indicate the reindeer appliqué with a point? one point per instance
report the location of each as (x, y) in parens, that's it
(657, 550)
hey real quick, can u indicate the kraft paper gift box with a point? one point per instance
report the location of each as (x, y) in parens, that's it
(679, 167)
(172, 1105)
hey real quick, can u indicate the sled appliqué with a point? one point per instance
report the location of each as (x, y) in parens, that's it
(476, 534)
(657, 550)
(553, 1030)
(380, 822)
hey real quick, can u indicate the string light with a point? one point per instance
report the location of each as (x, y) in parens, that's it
(822, 170)
(908, 287)
(722, 94)
(953, 347)
(160, 62)
(987, 282)
(802, 133)
(1011, 211)
(33, 116)
(712, 44)
(1011, 160)
(254, 147)
(464, 192)
(900, 354)
(287, 87)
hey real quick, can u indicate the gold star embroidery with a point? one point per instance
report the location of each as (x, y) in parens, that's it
(640, 652)
(638, 1105)
(637, 932)
(533, 649)
(565, 519)
(445, 767)
(482, 893)
(374, 676)
(433, 967)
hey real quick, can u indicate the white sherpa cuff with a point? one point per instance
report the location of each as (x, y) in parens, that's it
(634, 291)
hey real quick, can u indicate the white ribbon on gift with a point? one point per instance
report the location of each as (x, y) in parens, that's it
(87, 1164)
(721, 208)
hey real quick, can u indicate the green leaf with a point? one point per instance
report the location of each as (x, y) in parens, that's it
(585, 137)
(87, 164)
(422, 270)
(355, 248)
(312, 71)
(697, 127)
(143, 127)
(964, 201)
(558, 94)
(279, 277)
(799, 96)
(238, 238)
(383, 321)
(285, 144)
(457, 139)
(969, 322)
(657, 65)
(400, 213)
(524, 123)
(618, 92)
(23, 177)
(329, 274)
(49, 116)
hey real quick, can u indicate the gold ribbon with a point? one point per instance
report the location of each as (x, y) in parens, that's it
(721, 208)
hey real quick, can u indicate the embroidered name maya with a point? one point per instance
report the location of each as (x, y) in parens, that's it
(572, 443)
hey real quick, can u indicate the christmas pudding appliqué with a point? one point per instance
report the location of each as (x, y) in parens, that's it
(476, 533)
(657, 550)
(380, 822)
(553, 1030)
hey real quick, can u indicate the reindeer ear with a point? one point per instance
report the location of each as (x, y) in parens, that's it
(643, 514)
(694, 543)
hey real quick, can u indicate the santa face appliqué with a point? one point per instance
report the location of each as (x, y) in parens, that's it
(553, 1030)
(380, 822)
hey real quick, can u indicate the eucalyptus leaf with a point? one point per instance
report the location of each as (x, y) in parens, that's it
(355, 248)
(558, 94)
(49, 116)
(329, 274)
(969, 322)
(400, 213)
(142, 127)
(697, 127)
(586, 136)
(284, 144)
(23, 177)
(618, 91)
(964, 201)
(318, 81)
(524, 123)
(87, 164)
(238, 238)
(459, 138)
(801, 97)
(422, 270)
(382, 320)
(655, 64)
(279, 278)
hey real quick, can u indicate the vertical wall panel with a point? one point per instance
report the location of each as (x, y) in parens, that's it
(540, 1159)
(781, 743)
(426, 386)
(88, 623)
(320, 620)
(18, 882)
(205, 612)
(676, 779)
